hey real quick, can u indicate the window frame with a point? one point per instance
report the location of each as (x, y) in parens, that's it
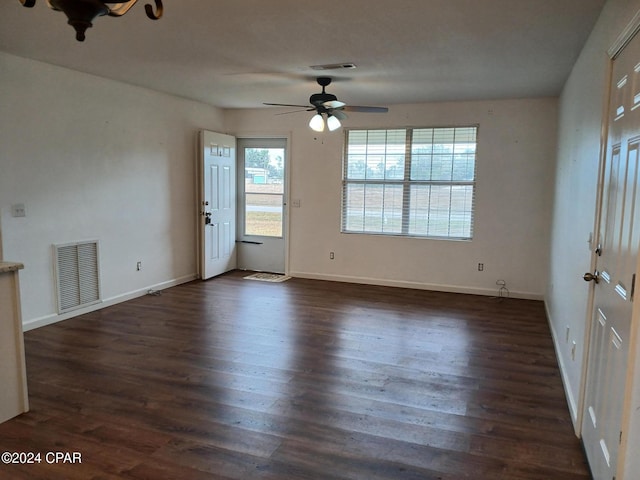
(407, 183)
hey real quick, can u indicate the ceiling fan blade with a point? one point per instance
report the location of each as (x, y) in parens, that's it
(339, 114)
(294, 111)
(333, 104)
(354, 108)
(289, 105)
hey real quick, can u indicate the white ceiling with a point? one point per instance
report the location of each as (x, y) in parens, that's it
(240, 53)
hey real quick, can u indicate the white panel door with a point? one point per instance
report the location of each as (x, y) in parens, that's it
(217, 178)
(619, 239)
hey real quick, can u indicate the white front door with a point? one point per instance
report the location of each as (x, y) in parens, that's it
(619, 239)
(217, 210)
(262, 204)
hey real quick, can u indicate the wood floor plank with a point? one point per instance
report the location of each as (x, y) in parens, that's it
(230, 379)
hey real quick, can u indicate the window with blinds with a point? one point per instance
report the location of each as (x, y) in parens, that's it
(417, 182)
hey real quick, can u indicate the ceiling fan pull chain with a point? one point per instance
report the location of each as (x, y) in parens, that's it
(158, 13)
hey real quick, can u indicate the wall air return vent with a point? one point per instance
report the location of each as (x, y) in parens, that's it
(77, 275)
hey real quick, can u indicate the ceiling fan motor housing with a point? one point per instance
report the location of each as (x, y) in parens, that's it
(318, 99)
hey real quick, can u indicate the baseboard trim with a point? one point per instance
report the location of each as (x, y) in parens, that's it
(55, 318)
(415, 285)
(571, 401)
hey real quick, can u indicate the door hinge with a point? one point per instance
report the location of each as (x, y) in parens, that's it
(620, 436)
(633, 285)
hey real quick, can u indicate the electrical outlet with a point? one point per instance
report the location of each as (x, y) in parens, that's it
(331, 256)
(139, 266)
(481, 267)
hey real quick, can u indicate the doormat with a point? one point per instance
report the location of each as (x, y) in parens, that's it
(268, 277)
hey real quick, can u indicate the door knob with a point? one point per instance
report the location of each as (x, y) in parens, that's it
(595, 276)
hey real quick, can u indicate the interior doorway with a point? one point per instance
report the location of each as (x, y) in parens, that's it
(262, 225)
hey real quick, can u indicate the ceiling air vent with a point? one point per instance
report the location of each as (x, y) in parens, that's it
(77, 275)
(334, 66)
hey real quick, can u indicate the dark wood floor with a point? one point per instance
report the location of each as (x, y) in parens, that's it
(239, 379)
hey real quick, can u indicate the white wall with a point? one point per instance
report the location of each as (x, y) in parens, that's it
(580, 120)
(516, 150)
(581, 114)
(95, 159)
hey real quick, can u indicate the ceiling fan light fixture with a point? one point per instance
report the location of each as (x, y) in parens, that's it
(317, 123)
(333, 123)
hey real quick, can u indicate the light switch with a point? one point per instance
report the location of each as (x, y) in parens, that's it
(18, 210)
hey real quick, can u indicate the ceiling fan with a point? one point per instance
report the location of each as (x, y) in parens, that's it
(328, 105)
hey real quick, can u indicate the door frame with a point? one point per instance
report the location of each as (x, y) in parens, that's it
(198, 203)
(287, 184)
(627, 462)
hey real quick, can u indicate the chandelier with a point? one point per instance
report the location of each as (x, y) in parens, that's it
(82, 12)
